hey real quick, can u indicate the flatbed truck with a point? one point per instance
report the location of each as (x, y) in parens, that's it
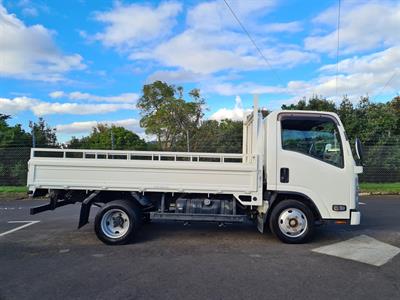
(296, 171)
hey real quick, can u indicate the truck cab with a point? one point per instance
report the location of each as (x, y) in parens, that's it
(308, 154)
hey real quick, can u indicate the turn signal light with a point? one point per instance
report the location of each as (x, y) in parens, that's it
(340, 222)
(337, 207)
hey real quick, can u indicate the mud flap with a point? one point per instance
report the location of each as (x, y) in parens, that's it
(261, 218)
(85, 209)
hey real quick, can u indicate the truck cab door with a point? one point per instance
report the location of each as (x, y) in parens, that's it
(311, 161)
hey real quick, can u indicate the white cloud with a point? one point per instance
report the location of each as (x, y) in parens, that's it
(290, 27)
(30, 12)
(195, 52)
(206, 53)
(57, 94)
(359, 75)
(86, 126)
(28, 52)
(42, 108)
(378, 62)
(215, 16)
(229, 89)
(122, 98)
(176, 76)
(364, 26)
(211, 41)
(236, 114)
(131, 25)
(13, 106)
(30, 9)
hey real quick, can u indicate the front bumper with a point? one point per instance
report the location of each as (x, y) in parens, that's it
(355, 217)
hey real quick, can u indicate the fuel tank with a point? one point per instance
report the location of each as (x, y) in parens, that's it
(204, 206)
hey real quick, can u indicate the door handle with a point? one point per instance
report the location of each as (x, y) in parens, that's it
(284, 175)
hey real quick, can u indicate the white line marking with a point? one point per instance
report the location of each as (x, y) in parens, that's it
(362, 203)
(11, 222)
(5, 208)
(363, 249)
(29, 223)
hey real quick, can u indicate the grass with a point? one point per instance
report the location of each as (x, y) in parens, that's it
(387, 188)
(13, 192)
(13, 189)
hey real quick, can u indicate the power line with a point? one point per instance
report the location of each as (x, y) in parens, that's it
(251, 39)
(386, 84)
(338, 44)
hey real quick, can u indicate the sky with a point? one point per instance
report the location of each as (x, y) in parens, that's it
(76, 63)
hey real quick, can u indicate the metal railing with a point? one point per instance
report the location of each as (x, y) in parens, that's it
(142, 155)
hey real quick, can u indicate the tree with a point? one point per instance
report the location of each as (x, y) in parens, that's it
(101, 135)
(314, 103)
(12, 136)
(45, 136)
(347, 114)
(14, 152)
(168, 116)
(221, 137)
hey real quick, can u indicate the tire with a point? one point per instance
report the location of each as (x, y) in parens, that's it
(117, 221)
(292, 222)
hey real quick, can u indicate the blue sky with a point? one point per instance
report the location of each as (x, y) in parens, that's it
(80, 62)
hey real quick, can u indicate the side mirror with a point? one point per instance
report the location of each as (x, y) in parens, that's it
(359, 150)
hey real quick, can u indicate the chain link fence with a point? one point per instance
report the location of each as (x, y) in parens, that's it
(14, 165)
(381, 162)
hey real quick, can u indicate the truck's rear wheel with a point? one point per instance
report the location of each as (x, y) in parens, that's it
(292, 222)
(116, 222)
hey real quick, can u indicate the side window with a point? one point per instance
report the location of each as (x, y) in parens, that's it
(315, 137)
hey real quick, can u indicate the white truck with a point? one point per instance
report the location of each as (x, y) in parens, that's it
(296, 172)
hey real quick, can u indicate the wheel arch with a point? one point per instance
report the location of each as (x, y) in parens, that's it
(278, 197)
(105, 197)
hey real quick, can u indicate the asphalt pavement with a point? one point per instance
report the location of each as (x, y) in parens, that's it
(52, 259)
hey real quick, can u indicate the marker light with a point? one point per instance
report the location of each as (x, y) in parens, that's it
(337, 207)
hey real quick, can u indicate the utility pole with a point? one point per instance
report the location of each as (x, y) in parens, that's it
(32, 127)
(112, 139)
(187, 140)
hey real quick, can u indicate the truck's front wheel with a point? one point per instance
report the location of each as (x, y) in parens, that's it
(292, 222)
(116, 222)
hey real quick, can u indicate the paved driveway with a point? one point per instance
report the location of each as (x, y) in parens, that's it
(51, 259)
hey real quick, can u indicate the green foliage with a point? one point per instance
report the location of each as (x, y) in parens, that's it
(221, 137)
(12, 136)
(314, 103)
(45, 136)
(168, 116)
(15, 146)
(14, 152)
(101, 135)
